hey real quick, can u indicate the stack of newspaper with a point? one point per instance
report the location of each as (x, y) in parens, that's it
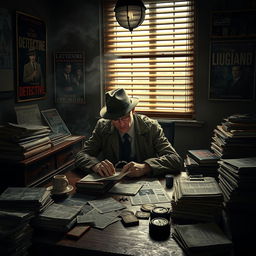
(235, 137)
(25, 198)
(237, 180)
(197, 199)
(18, 142)
(57, 217)
(202, 239)
(17, 206)
(15, 232)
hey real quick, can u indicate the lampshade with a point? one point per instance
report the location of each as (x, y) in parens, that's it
(130, 13)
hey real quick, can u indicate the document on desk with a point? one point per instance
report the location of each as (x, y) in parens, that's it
(130, 189)
(151, 192)
(100, 220)
(106, 205)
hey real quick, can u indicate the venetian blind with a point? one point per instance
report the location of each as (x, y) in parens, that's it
(156, 61)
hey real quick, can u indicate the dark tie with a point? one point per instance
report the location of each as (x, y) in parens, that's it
(126, 148)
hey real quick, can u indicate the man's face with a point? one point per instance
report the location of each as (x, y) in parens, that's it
(32, 58)
(236, 72)
(67, 69)
(124, 123)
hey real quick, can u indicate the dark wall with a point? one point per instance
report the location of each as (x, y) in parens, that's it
(38, 9)
(75, 26)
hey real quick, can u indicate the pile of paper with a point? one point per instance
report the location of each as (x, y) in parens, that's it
(57, 217)
(19, 142)
(15, 232)
(25, 198)
(202, 239)
(235, 137)
(237, 181)
(197, 199)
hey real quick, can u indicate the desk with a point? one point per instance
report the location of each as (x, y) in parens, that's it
(38, 169)
(113, 240)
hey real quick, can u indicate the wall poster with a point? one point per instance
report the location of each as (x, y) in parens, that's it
(31, 57)
(232, 70)
(6, 53)
(69, 77)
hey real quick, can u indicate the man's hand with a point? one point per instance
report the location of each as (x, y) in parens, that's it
(104, 168)
(136, 169)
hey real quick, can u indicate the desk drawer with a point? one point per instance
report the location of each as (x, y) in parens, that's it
(39, 170)
(64, 157)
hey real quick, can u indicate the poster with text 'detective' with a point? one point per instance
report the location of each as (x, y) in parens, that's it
(69, 77)
(31, 57)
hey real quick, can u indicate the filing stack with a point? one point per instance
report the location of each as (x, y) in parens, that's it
(19, 142)
(235, 137)
(57, 217)
(15, 232)
(197, 199)
(202, 162)
(23, 198)
(237, 179)
(17, 206)
(202, 239)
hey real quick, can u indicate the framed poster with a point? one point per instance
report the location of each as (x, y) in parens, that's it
(232, 70)
(6, 54)
(69, 77)
(31, 57)
(55, 122)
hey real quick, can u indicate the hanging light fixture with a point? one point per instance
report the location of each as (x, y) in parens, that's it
(130, 13)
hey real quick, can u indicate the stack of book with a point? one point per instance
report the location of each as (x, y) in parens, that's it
(25, 198)
(202, 239)
(19, 142)
(57, 217)
(15, 232)
(202, 162)
(235, 137)
(237, 180)
(198, 199)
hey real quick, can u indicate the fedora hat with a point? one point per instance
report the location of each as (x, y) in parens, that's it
(31, 52)
(118, 104)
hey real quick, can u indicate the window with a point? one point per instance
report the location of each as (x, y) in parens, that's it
(156, 61)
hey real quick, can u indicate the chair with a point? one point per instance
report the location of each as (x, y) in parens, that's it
(169, 129)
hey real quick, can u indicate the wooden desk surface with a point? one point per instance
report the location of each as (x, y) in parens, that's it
(113, 240)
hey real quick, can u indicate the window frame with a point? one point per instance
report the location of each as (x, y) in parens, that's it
(151, 113)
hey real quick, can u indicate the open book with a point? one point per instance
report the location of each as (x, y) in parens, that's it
(94, 177)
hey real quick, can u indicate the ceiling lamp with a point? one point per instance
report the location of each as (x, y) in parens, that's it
(130, 13)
